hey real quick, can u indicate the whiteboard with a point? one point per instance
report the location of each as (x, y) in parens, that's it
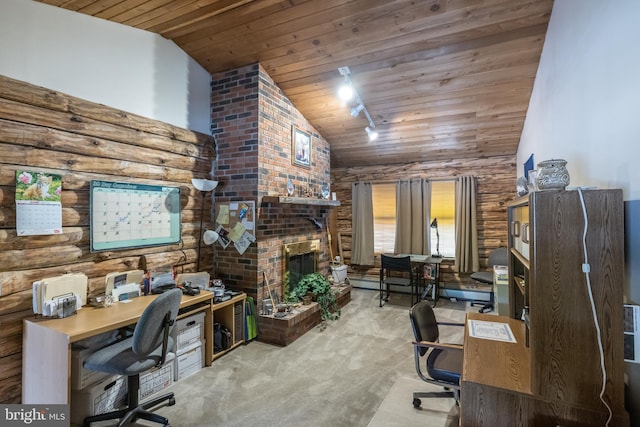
(128, 215)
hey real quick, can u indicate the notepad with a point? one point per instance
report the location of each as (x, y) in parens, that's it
(496, 331)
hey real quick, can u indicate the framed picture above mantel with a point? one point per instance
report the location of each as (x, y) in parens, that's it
(300, 147)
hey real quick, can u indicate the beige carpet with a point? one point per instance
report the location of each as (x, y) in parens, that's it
(357, 371)
(397, 408)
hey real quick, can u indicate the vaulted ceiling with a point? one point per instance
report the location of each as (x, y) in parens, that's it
(441, 79)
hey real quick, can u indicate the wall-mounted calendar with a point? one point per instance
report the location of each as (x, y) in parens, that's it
(129, 215)
(38, 203)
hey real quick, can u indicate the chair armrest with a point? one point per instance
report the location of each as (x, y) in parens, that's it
(442, 346)
(450, 324)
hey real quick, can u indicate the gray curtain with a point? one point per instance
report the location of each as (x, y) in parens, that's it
(362, 217)
(466, 226)
(413, 211)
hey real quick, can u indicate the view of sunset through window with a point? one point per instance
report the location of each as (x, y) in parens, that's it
(442, 208)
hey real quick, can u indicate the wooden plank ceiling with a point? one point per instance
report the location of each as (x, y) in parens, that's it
(441, 79)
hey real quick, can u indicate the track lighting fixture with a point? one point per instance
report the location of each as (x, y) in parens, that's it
(347, 92)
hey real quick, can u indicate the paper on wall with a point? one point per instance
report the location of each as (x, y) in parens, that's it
(243, 242)
(223, 215)
(236, 232)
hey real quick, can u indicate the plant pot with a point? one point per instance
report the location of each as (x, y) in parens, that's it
(306, 300)
(313, 295)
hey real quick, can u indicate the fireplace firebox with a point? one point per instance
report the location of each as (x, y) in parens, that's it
(301, 258)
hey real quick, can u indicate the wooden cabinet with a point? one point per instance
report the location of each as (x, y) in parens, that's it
(548, 284)
(231, 315)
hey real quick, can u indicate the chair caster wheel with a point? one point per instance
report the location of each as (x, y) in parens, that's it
(417, 402)
(171, 402)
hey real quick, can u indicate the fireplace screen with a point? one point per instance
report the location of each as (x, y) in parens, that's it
(301, 259)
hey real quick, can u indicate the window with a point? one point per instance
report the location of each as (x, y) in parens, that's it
(443, 202)
(442, 208)
(384, 217)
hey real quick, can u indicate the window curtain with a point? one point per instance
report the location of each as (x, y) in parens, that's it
(466, 226)
(362, 217)
(413, 211)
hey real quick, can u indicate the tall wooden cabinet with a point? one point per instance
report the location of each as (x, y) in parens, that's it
(549, 291)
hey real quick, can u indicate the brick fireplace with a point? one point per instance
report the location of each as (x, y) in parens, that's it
(252, 121)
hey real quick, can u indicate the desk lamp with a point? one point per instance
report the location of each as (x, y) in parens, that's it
(204, 186)
(434, 224)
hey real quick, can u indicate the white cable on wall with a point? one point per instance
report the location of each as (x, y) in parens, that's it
(586, 268)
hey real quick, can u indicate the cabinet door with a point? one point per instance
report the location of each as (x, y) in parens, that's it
(564, 341)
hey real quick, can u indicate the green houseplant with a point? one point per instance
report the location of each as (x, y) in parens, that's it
(319, 285)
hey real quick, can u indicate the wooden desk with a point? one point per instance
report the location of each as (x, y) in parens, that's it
(433, 285)
(46, 351)
(497, 363)
(496, 386)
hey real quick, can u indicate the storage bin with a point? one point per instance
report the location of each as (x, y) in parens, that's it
(189, 332)
(105, 396)
(339, 273)
(81, 377)
(157, 379)
(189, 362)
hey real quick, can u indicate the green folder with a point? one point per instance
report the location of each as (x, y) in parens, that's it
(251, 324)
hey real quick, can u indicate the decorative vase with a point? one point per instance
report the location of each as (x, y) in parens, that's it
(290, 187)
(552, 175)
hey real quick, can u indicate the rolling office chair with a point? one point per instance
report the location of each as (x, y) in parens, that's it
(147, 348)
(395, 271)
(496, 257)
(443, 362)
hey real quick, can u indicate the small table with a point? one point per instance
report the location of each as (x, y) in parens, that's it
(433, 285)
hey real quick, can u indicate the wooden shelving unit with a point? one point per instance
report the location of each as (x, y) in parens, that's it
(227, 313)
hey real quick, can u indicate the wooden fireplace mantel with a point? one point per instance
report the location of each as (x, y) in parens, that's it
(300, 201)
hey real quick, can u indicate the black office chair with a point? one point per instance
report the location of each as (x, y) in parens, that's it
(395, 271)
(496, 257)
(147, 348)
(443, 362)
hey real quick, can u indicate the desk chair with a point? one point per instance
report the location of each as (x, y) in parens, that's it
(147, 348)
(496, 257)
(396, 271)
(443, 362)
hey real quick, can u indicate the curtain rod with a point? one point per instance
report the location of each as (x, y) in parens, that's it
(393, 182)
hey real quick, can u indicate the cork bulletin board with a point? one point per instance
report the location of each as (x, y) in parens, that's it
(236, 224)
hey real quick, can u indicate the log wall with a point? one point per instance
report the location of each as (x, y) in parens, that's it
(46, 131)
(496, 185)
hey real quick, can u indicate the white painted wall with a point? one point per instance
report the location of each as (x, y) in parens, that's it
(585, 108)
(104, 62)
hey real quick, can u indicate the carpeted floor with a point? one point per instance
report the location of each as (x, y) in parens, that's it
(358, 371)
(396, 409)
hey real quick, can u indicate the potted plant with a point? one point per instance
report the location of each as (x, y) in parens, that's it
(318, 284)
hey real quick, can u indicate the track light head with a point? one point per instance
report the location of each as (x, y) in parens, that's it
(373, 135)
(345, 93)
(356, 110)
